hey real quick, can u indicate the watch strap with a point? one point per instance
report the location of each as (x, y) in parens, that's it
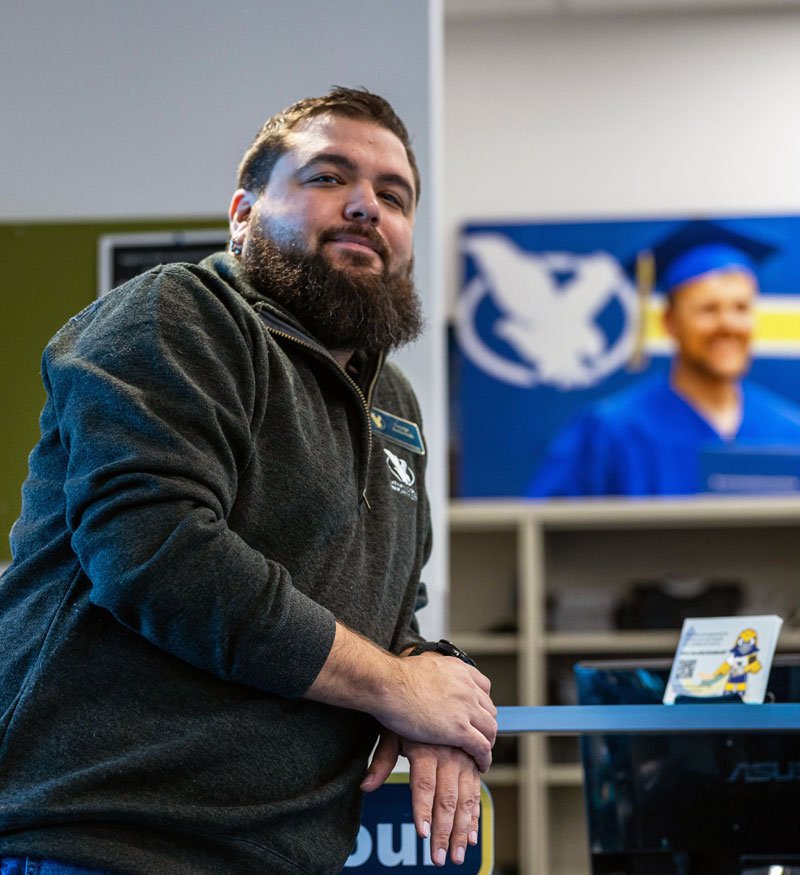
(443, 646)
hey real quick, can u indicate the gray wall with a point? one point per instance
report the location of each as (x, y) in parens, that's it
(586, 116)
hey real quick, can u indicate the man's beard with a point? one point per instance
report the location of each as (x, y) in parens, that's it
(343, 310)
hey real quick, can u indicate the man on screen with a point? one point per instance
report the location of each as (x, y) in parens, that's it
(648, 438)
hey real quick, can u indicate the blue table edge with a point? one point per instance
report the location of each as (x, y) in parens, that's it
(606, 719)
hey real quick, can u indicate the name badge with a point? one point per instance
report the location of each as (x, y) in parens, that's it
(399, 431)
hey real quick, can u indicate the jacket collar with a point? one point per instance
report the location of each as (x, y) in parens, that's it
(362, 367)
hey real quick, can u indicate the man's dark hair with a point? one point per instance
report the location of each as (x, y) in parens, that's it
(272, 140)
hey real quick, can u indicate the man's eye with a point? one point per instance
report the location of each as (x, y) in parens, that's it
(324, 177)
(393, 199)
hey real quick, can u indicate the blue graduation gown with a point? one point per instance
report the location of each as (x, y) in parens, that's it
(647, 440)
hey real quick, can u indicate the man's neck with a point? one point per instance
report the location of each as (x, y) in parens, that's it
(717, 399)
(342, 356)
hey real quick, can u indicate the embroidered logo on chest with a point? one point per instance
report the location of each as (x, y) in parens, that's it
(403, 477)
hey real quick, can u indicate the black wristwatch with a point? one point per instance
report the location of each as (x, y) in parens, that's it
(443, 646)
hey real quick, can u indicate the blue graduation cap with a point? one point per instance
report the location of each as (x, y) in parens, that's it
(692, 250)
(700, 247)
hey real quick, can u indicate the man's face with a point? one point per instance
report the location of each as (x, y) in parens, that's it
(712, 320)
(345, 190)
(330, 238)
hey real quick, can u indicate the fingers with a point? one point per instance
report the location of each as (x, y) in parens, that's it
(383, 761)
(422, 779)
(480, 743)
(481, 680)
(479, 749)
(486, 724)
(445, 807)
(478, 738)
(445, 789)
(458, 820)
(483, 761)
(472, 838)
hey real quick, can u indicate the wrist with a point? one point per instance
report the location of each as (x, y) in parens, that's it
(442, 647)
(357, 674)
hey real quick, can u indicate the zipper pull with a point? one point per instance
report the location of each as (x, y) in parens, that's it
(366, 501)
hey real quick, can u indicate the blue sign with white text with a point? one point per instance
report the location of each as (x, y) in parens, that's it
(388, 841)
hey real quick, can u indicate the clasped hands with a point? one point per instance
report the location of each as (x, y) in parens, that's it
(445, 779)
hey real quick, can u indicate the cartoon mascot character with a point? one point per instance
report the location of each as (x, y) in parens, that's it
(740, 662)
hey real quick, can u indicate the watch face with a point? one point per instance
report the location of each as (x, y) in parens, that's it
(450, 649)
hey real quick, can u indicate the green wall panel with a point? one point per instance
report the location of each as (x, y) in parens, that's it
(49, 274)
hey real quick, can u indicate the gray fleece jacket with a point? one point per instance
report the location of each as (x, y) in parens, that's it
(193, 521)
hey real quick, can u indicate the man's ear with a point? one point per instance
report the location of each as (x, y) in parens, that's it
(668, 318)
(239, 212)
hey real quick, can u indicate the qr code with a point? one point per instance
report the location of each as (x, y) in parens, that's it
(685, 668)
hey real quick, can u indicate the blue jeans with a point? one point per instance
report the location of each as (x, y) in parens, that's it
(28, 866)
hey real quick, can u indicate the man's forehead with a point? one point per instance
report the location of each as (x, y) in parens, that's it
(325, 134)
(736, 281)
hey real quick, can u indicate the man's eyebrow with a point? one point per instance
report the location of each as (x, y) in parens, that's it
(346, 164)
(398, 180)
(329, 158)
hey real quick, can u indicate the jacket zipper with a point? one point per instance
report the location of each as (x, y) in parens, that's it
(367, 408)
(365, 400)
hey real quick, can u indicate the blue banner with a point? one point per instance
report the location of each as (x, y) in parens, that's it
(548, 321)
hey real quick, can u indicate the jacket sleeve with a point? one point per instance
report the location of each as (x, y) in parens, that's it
(158, 393)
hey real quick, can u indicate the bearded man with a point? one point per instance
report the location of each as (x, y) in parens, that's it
(215, 571)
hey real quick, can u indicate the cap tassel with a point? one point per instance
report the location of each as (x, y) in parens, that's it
(645, 280)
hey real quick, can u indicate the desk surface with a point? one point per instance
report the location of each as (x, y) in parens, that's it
(608, 719)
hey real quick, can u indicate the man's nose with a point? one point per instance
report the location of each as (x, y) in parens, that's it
(362, 206)
(734, 319)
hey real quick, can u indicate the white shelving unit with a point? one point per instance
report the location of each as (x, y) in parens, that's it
(512, 562)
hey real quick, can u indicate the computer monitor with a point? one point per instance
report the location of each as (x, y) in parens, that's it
(689, 804)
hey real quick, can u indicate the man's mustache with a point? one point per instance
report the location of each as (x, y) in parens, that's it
(365, 232)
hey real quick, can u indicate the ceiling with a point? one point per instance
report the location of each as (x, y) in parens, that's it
(455, 9)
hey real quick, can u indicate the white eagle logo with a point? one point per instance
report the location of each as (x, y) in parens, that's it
(551, 325)
(399, 468)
